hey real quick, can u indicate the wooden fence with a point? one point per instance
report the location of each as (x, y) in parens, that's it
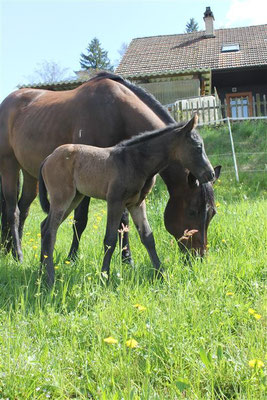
(213, 111)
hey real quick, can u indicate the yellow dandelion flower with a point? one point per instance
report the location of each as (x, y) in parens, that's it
(110, 340)
(34, 247)
(257, 316)
(229, 294)
(38, 234)
(67, 262)
(132, 343)
(140, 307)
(218, 204)
(56, 266)
(219, 181)
(71, 217)
(45, 256)
(27, 233)
(35, 255)
(251, 311)
(223, 241)
(31, 240)
(256, 363)
(95, 226)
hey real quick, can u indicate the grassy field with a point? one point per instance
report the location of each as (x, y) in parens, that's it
(198, 334)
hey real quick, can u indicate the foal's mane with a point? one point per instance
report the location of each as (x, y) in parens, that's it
(145, 136)
(141, 93)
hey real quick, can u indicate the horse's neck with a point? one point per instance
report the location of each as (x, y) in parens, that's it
(175, 178)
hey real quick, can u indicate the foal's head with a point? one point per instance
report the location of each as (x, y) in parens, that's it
(191, 152)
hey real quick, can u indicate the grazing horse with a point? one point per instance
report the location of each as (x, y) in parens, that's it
(101, 112)
(122, 175)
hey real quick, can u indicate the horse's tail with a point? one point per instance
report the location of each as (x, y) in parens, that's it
(43, 191)
(142, 94)
(1, 198)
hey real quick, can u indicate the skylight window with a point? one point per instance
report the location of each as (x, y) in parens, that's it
(230, 47)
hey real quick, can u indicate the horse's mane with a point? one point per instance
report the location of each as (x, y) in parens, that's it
(144, 137)
(141, 93)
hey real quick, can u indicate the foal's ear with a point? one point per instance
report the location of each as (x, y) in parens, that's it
(192, 181)
(217, 171)
(190, 125)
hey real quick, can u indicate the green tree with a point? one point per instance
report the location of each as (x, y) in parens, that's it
(191, 26)
(95, 57)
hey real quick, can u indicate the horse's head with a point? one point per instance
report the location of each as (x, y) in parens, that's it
(191, 152)
(190, 210)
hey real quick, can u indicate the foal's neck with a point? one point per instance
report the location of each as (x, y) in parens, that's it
(156, 154)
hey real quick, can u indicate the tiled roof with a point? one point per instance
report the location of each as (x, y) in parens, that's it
(165, 54)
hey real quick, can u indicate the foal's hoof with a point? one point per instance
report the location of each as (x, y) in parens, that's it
(104, 278)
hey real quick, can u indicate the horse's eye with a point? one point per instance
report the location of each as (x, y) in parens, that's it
(192, 213)
(199, 148)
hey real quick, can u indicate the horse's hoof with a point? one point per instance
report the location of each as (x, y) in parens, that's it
(159, 273)
(129, 261)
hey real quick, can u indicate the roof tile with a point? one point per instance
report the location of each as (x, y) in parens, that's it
(165, 54)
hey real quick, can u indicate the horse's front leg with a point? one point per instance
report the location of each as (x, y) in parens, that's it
(29, 192)
(10, 211)
(139, 217)
(115, 210)
(79, 225)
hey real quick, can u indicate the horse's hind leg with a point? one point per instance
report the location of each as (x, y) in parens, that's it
(79, 225)
(10, 214)
(29, 192)
(139, 217)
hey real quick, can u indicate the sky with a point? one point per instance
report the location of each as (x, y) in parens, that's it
(35, 31)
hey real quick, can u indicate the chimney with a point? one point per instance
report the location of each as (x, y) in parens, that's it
(209, 18)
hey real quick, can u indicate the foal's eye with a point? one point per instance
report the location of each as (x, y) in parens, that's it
(199, 148)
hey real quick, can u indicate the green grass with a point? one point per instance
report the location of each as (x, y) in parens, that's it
(195, 336)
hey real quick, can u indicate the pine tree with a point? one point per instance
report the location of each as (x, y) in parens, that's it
(96, 57)
(191, 26)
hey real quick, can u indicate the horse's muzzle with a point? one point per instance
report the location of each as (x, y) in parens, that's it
(207, 177)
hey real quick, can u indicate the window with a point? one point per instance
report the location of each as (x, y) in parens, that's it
(239, 105)
(230, 47)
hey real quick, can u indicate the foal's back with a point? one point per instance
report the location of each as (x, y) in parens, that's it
(71, 168)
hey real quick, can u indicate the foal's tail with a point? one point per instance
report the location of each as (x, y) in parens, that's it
(43, 191)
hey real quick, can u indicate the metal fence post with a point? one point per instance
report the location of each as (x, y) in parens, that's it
(233, 149)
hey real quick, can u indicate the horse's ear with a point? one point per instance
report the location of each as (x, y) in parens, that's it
(192, 181)
(217, 171)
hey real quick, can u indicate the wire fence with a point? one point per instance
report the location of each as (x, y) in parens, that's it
(239, 155)
(243, 156)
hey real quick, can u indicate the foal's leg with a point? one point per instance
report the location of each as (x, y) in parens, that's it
(115, 210)
(49, 229)
(10, 217)
(29, 192)
(124, 239)
(139, 217)
(79, 225)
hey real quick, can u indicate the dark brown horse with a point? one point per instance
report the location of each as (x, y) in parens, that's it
(101, 112)
(122, 175)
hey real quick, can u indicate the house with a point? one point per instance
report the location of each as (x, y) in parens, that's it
(231, 62)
